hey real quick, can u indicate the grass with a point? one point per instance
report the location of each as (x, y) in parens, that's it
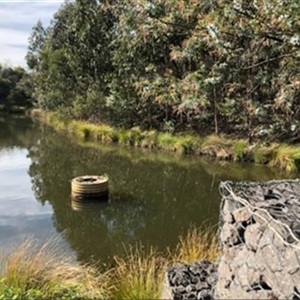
(284, 157)
(263, 155)
(197, 244)
(240, 150)
(218, 146)
(34, 271)
(140, 275)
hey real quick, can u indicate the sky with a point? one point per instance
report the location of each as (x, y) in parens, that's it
(17, 17)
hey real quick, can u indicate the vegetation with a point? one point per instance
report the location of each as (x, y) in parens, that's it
(34, 271)
(174, 66)
(214, 69)
(140, 275)
(15, 89)
(197, 244)
(283, 156)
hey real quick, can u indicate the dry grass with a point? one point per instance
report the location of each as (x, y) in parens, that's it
(263, 155)
(31, 270)
(31, 266)
(197, 244)
(286, 158)
(218, 146)
(140, 275)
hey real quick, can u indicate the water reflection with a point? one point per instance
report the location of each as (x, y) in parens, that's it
(153, 197)
(150, 201)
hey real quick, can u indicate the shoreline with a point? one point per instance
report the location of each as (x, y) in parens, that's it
(282, 156)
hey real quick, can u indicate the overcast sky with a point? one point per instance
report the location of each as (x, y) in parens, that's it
(17, 17)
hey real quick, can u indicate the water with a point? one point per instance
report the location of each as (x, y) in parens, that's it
(154, 197)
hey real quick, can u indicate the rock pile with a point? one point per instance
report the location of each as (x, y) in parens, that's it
(193, 281)
(259, 241)
(259, 236)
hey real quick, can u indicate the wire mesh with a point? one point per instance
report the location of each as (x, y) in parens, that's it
(259, 234)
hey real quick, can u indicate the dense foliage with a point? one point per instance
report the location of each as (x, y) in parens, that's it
(204, 66)
(15, 88)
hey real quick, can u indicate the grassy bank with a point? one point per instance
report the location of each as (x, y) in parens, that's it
(35, 271)
(284, 157)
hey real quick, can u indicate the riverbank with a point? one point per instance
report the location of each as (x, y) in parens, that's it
(43, 271)
(282, 156)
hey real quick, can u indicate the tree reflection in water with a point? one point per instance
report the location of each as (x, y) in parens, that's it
(153, 197)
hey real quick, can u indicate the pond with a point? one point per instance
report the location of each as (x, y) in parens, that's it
(154, 197)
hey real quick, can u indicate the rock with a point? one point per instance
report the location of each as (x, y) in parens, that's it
(228, 218)
(184, 281)
(252, 235)
(291, 261)
(259, 258)
(229, 235)
(241, 215)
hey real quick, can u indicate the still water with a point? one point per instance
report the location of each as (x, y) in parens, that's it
(154, 197)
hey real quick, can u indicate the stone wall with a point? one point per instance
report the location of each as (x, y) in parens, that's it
(259, 244)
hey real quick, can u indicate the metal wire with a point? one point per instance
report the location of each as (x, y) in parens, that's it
(259, 236)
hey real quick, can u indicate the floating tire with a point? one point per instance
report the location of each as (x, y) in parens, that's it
(89, 187)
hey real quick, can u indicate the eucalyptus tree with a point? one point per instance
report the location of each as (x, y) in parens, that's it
(208, 66)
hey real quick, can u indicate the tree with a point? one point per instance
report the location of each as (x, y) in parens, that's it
(203, 66)
(36, 42)
(13, 91)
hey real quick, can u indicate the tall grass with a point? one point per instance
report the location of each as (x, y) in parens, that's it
(139, 275)
(286, 157)
(218, 146)
(46, 271)
(197, 244)
(34, 271)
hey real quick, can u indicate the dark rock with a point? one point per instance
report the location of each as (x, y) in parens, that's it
(186, 281)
